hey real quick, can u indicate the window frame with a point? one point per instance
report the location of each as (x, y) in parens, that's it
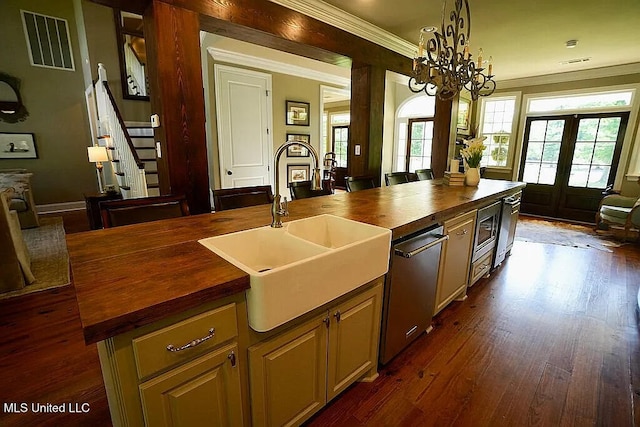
(410, 122)
(513, 147)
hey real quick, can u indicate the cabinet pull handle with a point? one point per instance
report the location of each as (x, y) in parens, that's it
(326, 321)
(232, 358)
(193, 343)
(461, 233)
(337, 315)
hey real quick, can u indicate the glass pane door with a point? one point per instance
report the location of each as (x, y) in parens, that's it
(567, 161)
(543, 151)
(594, 152)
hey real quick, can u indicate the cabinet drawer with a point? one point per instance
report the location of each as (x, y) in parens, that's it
(480, 267)
(189, 338)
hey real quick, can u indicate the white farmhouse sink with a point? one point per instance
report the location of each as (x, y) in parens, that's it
(303, 265)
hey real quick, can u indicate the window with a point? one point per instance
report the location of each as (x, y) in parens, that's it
(340, 144)
(581, 102)
(421, 140)
(497, 125)
(414, 134)
(340, 137)
(48, 41)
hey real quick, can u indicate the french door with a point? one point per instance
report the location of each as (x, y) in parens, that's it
(567, 161)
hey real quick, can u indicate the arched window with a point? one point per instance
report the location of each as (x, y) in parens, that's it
(414, 133)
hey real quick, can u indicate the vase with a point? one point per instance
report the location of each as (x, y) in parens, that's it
(472, 177)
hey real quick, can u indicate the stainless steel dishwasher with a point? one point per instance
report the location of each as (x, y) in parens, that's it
(410, 290)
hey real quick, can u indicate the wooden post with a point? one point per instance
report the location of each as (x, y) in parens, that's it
(367, 116)
(175, 77)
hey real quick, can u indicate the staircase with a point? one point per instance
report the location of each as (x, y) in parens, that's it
(145, 146)
(131, 149)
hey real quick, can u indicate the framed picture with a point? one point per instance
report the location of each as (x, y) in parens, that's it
(464, 115)
(297, 173)
(297, 150)
(297, 113)
(17, 146)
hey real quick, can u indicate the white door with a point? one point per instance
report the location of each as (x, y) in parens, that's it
(243, 111)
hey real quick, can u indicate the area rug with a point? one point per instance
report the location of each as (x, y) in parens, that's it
(538, 230)
(49, 257)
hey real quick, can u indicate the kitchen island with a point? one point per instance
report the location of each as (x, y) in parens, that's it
(147, 285)
(130, 276)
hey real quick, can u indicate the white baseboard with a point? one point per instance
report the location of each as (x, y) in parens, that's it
(60, 207)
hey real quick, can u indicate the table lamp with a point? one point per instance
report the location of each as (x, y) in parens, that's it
(98, 155)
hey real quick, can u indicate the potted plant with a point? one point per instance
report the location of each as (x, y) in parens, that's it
(472, 155)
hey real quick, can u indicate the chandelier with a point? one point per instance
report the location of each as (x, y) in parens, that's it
(443, 67)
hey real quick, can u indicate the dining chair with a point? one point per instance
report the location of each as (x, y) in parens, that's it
(357, 183)
(241, 197)
(302, 190)
(394, 178)
(424, 174)
(116, 213)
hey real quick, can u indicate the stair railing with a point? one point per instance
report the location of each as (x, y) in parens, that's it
(119, 142)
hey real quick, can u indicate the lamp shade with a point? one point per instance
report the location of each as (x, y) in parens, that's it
(97, 154)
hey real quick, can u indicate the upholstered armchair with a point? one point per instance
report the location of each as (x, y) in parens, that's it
(619, 211)
(15, 262)
(22, 200)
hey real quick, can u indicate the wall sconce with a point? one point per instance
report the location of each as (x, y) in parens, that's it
(98, 155)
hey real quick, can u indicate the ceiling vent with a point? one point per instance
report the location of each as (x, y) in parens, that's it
(575, 61)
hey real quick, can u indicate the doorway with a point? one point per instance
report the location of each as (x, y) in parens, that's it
(568, 161)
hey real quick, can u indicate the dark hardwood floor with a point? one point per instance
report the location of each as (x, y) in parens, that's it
(550, 339)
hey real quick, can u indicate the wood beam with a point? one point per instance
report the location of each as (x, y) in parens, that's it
(367, 116)
(441, 132)
(172, 38)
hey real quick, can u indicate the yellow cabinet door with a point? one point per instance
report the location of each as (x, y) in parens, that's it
(288, 375)
(353, 340)
(453, 274)
(204, 392)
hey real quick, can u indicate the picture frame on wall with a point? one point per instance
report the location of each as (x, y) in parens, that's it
(296, 173)
(298, 150)
(297, 113)
(18, 146)
(464, 116)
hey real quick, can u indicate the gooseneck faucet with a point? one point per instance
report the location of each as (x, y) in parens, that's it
(278, 210)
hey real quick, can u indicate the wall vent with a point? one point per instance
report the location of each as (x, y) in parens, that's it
(48, 41)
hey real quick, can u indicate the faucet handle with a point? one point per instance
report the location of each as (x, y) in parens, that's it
(285, 206)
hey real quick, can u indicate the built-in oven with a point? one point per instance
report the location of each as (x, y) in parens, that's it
(487, 228)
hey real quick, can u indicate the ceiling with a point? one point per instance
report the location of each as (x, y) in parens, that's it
(526, 38)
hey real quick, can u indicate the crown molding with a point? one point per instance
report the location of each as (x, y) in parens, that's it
(261, 63)
(338, 18)
(593, 73)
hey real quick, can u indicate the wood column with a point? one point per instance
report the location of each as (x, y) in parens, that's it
(175, 78)
(441, 131)
(367, 116)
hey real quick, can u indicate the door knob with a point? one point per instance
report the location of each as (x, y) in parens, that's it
(229, 173)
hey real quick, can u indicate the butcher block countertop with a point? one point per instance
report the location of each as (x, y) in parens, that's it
(130, 276)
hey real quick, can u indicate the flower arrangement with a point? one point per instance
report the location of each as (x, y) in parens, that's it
(472, 153)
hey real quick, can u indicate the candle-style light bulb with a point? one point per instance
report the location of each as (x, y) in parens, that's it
(421, 45)
(480, 58)
(465, 54)
(491, 65)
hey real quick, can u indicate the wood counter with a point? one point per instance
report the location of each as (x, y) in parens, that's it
(130, 276)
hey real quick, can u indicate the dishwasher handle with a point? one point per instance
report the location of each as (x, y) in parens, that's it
(440, 239)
